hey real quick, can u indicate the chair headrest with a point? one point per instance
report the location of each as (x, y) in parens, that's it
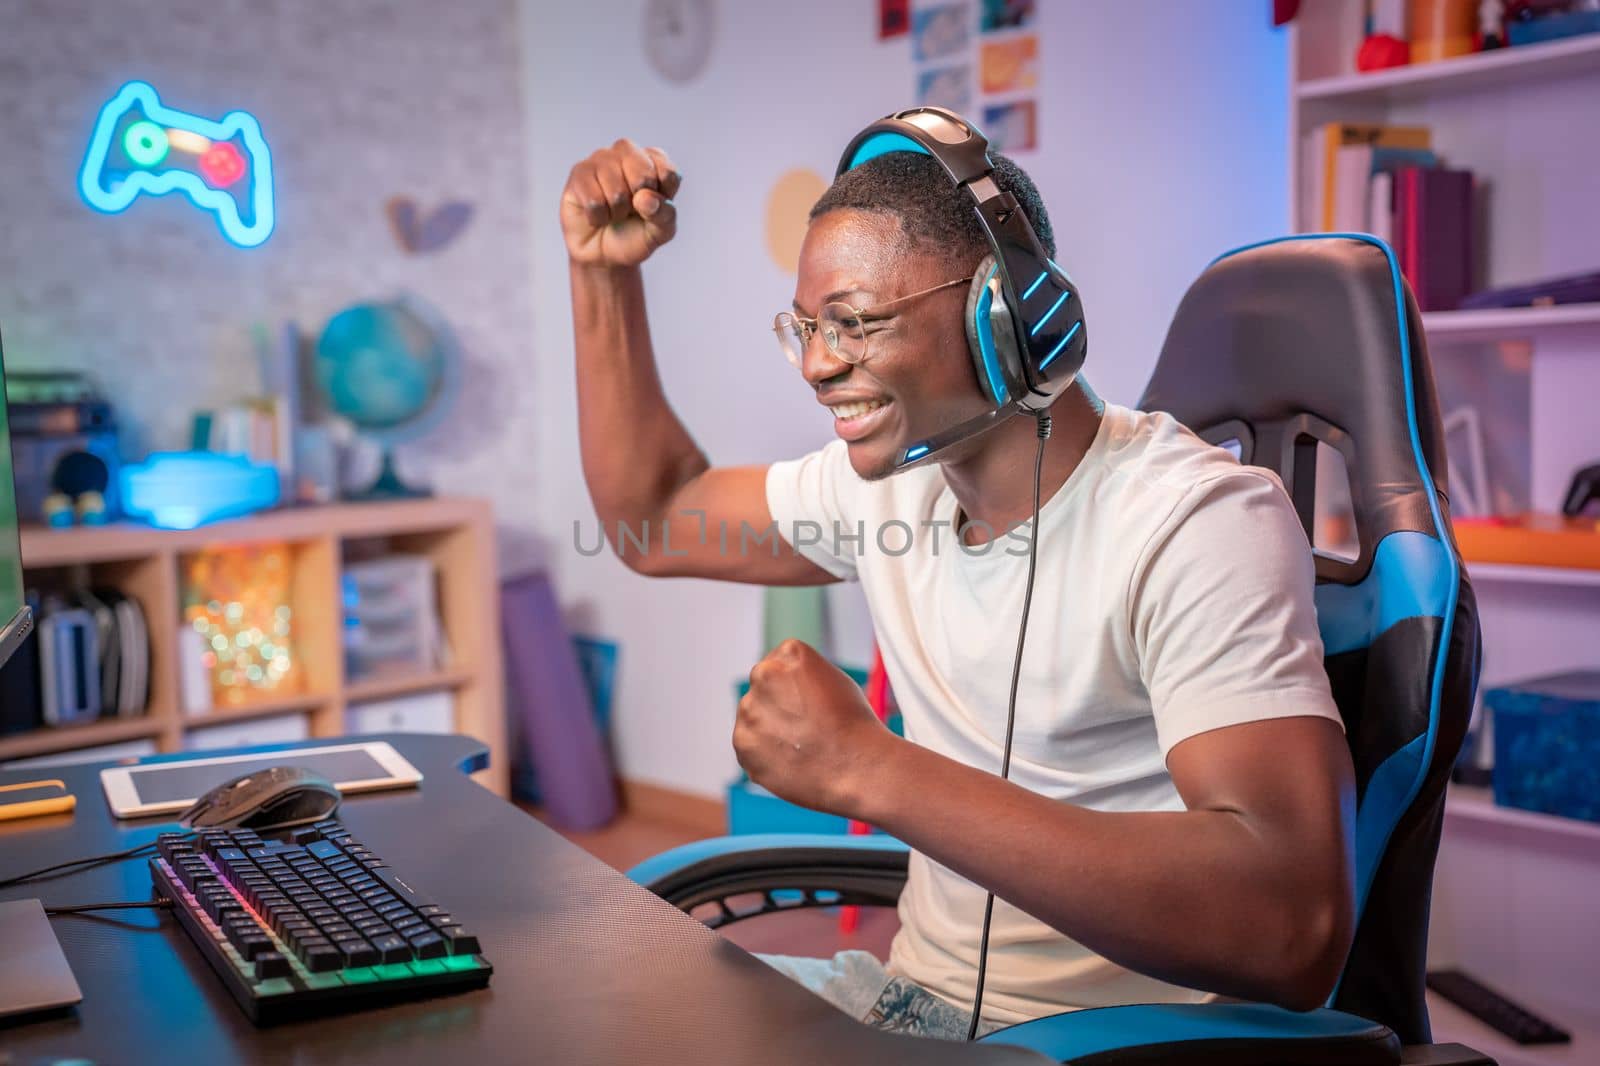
(1313, 339)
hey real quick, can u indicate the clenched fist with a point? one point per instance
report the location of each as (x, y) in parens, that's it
(617, 206)
(805, 731)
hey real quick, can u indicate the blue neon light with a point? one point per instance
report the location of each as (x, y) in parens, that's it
(1063, 343)
(1036, 283)
(182, 490)
(916, 452)
(1037, 326)
(108, 187)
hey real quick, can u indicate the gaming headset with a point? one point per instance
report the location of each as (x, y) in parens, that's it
(1027, 341)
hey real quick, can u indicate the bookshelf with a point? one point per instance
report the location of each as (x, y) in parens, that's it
(1515, 117)
(1511, 887)
(145, 563)
(1500, 69)
(1565, 576)
(1477, 806)
(1510, 322)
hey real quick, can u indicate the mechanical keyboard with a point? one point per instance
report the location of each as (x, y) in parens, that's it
(310, 921)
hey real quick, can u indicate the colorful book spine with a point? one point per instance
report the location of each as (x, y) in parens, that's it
(1433, 231)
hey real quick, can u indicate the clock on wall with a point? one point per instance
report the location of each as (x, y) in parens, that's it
(677, 37)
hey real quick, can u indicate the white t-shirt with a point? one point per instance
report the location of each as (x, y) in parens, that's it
(1173, 596)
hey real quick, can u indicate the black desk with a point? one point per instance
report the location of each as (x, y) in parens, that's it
(588, 967)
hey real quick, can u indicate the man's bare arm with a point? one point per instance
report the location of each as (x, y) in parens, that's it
(663, 507)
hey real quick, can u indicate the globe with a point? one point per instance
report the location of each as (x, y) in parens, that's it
(386, 367)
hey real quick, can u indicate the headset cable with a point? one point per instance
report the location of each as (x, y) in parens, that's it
(1011, 704)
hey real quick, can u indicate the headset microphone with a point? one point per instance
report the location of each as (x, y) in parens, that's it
(1024, 316)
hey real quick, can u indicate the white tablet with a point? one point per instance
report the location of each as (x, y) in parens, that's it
(172, 787)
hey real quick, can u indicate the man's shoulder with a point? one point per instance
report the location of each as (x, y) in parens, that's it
(1154, 450)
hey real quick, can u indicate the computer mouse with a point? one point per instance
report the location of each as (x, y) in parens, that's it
(274, 798)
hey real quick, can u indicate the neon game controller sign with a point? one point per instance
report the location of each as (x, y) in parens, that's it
(141, 148)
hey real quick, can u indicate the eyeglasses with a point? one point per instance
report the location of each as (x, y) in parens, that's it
(843, 327)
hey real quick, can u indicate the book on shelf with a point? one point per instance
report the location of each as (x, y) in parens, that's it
(1320, 160)
(1356, 170)
(257, 429)
(1433, 234)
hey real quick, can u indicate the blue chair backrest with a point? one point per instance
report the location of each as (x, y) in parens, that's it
(1316, 340)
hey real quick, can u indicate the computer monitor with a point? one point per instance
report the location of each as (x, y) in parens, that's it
(15, 618)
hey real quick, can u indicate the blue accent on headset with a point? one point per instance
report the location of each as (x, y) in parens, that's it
(985, 331)
(1062, 344)
(1037, 326)
(882, 144)
(1399, 778)
(916, 451)
(1036, 283)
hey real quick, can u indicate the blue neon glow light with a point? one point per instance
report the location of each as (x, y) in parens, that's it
(107, 188)
(182, 490)
(1063, 343)
(1036, 283)
(1037, 326)
(916, 452)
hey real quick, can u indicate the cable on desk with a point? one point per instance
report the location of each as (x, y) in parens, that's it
(78, 908)
(86, 863)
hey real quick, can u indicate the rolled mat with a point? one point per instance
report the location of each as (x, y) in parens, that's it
(554, 731)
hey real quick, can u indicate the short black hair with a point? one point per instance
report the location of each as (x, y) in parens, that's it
(933, 213)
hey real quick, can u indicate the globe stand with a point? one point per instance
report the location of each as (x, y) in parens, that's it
(389, 486)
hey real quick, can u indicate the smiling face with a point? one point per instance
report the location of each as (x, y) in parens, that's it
(917, 377)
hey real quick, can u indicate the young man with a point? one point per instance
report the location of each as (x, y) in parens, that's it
(1178, 816)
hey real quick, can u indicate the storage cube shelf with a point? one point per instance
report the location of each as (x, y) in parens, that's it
(147, 564)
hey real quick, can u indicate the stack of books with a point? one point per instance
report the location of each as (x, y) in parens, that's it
(1387, 181)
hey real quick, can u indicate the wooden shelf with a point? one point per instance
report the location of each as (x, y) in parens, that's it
(1509, 322)
(44, 547)
(379, 688)
(266, 708)
(68, 737)
(1514, 573)
(1482, 70)
(1476, 806)
(1537, 541)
